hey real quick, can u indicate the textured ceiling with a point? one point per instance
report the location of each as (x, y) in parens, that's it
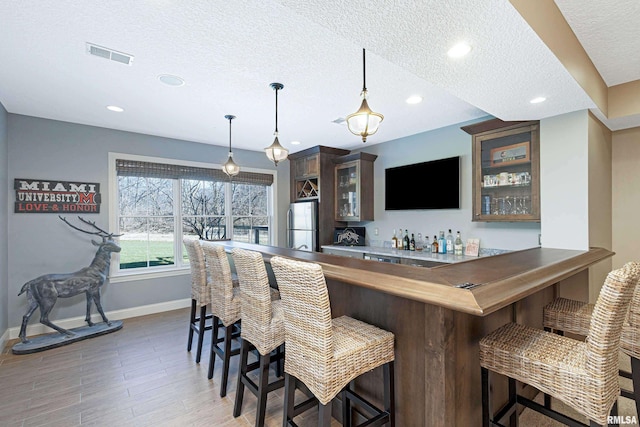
(229, 52)
(609, 31)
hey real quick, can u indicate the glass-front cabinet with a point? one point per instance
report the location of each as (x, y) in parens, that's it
(354, 187)
(506, 171)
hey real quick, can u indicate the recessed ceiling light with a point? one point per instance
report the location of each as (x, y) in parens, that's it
(538, 100)
(171, 80)
(115, 108)
(414, 99)
(295, 142)
(459, 50)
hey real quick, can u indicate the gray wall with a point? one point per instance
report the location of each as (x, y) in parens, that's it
(437, 144)
(41, 243)
(4, 188)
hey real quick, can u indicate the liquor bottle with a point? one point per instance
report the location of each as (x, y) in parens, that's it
(419, 243)
(449, 242)
(412, 243)
(458, 244)
(442, 244)
(394, 240)
(405, 242)
(434, 245)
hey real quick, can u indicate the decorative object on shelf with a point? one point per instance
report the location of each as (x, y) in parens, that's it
(230, 167)
(351, 236)
(276, 152)
(43, 292)
(472, 248)
(511, 154)
(364, 122)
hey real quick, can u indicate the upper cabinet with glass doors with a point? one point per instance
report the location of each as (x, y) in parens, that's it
(506, 171)
(354, 187)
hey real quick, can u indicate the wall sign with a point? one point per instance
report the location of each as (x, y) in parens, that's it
(48, 196)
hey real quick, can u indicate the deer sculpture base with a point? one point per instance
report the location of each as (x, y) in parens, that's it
(57, 339)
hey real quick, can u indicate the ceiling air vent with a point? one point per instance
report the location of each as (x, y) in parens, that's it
(104, 52)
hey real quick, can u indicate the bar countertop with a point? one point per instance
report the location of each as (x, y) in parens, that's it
(480, 286)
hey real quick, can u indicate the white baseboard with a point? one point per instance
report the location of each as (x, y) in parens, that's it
(3, 339)
(74, 322)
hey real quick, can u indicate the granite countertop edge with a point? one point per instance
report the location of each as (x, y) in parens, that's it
(428, 256)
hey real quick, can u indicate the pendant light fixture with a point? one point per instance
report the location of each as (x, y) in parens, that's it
(230, 167)
(364, 122)
(276, 152)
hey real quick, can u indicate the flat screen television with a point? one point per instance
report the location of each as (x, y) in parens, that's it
(428, 185)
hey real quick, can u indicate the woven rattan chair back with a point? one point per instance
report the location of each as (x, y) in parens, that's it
(307, 312)
(630, 340)
(255, 299)
(607, 320)
(199, 287)
(223, 304)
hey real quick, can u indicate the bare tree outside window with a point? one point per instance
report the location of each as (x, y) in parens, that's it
(148, 216)
(250, 213)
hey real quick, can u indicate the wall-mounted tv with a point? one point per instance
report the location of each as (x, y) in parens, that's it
(428, 185)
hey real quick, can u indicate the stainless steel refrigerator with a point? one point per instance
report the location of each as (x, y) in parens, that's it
(302, 226)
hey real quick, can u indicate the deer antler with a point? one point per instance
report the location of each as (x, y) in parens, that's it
(100, 231)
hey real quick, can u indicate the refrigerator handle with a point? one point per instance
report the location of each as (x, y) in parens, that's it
(289, 228)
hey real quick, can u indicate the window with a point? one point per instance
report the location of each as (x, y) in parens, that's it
(159, 204)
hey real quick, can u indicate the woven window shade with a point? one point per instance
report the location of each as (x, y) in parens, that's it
(162, 170)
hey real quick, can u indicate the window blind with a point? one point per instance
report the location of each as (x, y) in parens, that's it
(126, 167)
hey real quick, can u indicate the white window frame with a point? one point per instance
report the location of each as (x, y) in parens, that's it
(118, 275)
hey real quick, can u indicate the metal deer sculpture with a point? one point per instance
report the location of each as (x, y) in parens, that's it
(44, 291)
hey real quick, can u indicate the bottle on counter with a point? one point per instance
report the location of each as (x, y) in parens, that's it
(405, 242)
(412, 243)
(449, 242)
(419, 243)
(442, 244)
(394, 240)
(434, 245)
(458, 244)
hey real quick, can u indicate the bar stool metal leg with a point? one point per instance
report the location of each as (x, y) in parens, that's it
(389, 392)
(242, 371)
(192, 321)
(201, 329)
(635, 377)
(289, 399)
(225, 359)
(324, 415)
(214, 343)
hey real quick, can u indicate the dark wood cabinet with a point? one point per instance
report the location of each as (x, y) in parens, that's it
(506, 171)
(354, 187)
(312, 178)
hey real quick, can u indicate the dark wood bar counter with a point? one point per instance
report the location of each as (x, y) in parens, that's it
(437, 325)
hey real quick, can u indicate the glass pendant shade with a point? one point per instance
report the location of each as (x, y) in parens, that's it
(276, 152)
(364, 122)
(230, 167)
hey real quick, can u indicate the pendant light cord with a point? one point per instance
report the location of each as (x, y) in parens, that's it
(230, 134)
(276, 111)
(364, 72)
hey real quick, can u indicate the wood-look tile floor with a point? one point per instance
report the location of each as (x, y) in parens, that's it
(141, 375)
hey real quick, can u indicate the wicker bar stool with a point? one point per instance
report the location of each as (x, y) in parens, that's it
(327, 354)
(565, 315)
(583, 375)
(200, 295)
(262, 329)
(225, 308)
